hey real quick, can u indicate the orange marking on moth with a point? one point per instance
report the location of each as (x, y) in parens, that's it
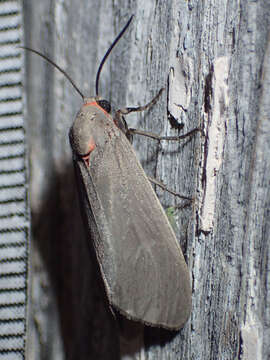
(91, 147)
(94, 103)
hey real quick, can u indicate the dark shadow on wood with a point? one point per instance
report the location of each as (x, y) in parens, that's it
(134, 335)
(154, 336)
(87, 327)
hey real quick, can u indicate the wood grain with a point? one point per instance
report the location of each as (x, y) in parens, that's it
(180, 44)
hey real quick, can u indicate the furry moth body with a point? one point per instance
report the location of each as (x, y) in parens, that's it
(144, 272)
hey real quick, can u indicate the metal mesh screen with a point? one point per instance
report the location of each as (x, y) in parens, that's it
(14, 212)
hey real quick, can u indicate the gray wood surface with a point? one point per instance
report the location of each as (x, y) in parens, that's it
(213, 59)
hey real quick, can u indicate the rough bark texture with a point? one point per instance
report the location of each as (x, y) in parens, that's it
(213, 59)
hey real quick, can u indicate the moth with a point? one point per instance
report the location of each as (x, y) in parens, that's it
(141, 263)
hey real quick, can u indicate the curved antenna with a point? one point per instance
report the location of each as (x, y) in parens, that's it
(109, 50)
(55, 65)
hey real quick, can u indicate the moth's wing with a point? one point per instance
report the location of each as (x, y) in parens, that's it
(142, 265)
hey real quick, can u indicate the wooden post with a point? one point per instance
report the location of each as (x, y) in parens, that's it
(213, 59)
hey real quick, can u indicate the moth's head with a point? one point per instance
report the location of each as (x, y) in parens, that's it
(88, 129)
(104, 104)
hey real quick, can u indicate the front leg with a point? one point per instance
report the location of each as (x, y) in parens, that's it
(128, 110)
(120, 121)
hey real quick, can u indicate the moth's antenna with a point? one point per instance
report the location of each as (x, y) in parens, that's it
(55, 65)
(109, 50)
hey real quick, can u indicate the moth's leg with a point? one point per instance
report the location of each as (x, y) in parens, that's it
(128, 110)
(129, 132)
(159, 138)
(183, 206)
(120, 121)
(164, 187)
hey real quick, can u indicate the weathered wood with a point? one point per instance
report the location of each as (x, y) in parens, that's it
(214, 57)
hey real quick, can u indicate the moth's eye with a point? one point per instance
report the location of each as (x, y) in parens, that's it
(105, 105)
